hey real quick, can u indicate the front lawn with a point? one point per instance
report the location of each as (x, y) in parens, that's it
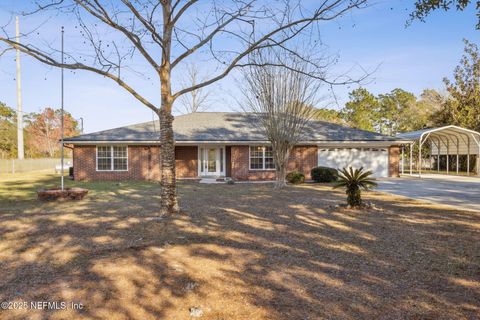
(242, 251)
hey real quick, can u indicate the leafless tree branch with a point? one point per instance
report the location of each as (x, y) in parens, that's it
(76, 66)
(283, 100)
(263, 42)
(196, 100)
(227, 33)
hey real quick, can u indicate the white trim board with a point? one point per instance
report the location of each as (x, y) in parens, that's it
(197, 143)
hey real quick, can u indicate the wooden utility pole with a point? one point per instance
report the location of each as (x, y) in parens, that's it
(20, 150)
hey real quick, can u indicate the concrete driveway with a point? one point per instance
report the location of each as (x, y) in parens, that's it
(457, 191)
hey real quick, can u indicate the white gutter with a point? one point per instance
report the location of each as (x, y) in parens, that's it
(319, 143)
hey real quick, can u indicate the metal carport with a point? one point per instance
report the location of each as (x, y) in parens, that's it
(464, 142)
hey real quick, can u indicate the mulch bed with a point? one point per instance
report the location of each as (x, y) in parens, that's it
(58, 194)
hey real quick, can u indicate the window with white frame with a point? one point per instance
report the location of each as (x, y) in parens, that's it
(261, 158)
(112, 158)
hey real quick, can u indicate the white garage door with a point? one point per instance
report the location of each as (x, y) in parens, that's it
(374, 159)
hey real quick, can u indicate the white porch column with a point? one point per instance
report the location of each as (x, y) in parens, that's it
(438, 154)
(411, 158)
(458, 151)
(419, 165)
(468, 156)
(478, 159)
(448, 155)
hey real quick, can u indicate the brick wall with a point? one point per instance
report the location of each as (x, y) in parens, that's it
(302, 158)
(186, 162)
(394, 161)
(240, 166)
(143, 164)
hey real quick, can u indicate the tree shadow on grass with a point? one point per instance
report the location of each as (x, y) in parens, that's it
(241, 251)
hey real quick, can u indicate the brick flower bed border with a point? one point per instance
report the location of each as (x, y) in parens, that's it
(58, 194)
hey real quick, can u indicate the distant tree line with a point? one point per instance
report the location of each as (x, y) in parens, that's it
(42, 132)
(401, 111)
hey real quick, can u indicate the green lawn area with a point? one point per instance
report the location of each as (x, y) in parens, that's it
(243, 251)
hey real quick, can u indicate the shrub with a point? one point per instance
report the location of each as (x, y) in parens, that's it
(353, 181)
(324, 174)
(295, 177)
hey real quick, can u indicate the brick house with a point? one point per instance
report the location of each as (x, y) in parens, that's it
(225, 144)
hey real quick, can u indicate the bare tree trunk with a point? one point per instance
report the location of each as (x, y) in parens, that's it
(168, 194)
(281, 155)
(281, 171)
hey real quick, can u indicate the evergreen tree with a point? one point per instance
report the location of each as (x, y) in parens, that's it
(394, 110)
(361, 111)
(8, 132)
(462, 108)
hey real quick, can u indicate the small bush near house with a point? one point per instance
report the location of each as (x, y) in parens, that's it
(295, 177)
(324, 174)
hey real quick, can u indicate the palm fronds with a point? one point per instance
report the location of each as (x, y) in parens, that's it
(353, 181)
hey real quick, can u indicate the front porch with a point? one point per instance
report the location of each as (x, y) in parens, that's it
(238, 162)
(214, 162)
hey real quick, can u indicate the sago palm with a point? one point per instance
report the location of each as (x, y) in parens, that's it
(354, 181)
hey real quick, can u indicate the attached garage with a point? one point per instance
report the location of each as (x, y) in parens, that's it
(374, 159)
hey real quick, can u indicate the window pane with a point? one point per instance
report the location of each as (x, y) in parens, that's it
(104, 164)
(256, 163)
(119, 152)
(120, 158)
(212, 160)
(256, 157)
(256, 152)
(112, 158)
(104, 160)
(103, 152)
(268, 152)
(120, 164)
(269, 164)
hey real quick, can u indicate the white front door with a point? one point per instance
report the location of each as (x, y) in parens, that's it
(211, 161)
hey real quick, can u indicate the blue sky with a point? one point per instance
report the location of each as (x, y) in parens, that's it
(412, 58)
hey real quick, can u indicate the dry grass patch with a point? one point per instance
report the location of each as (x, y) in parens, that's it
(241, 251)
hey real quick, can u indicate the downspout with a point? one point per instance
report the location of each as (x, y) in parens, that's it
(411, 158)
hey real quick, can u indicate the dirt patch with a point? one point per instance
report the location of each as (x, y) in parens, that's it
(242, 251)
